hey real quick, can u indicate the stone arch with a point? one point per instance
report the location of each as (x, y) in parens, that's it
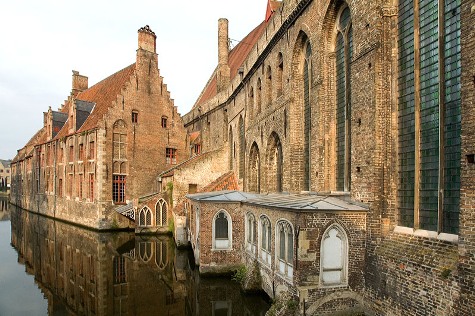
(274, 163)
(254, 180)
(334, 296)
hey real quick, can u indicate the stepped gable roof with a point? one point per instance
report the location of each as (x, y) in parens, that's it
(102, 94)
(237, 56)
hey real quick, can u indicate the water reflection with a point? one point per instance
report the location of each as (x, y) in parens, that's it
(4, 214)
(82, 272)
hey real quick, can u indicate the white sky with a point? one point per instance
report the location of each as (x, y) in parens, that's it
(43, 41)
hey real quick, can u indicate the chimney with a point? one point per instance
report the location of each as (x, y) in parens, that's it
(147, 39)
(80, 83)
(224, 72)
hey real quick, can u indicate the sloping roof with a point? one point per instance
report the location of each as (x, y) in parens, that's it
(102, 94)
(5, 163)
(236, 58)
(169, 172)
(298, 202)
(227, 181)
(221, 196)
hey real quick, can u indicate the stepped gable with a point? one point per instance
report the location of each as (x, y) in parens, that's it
(236, 58)
(103, 94)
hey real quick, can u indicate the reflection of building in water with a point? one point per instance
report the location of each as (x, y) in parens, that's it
(4, 214)
(83, 272)
(86, 272)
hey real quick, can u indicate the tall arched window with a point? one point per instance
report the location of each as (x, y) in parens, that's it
(231, 149)
(429, 114)
(280, 71)
(222, 230)
(334, 256)
(258, 96)
(307, 113)
(251, 233)
(343, 54)
(242, 147)
(274, 163)
(254, 169)
(285, 246)
(268, 86)
(145, 217)
(251, 104)
(161, 213)
(265, 239)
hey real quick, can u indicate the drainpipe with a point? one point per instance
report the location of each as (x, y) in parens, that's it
(297, 234)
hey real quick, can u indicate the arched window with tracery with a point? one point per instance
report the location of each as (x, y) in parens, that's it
(254, 169)
(161, 254)
(343, 55)
(145, 217)
(334, 256)
(265, 240)
(161, 213)
(145, 251)
(222, 230)
(285, 245)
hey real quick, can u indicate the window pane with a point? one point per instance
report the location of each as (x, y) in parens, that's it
(221, 226)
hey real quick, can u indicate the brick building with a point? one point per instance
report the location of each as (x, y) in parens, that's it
(368, 100)
(104, 147)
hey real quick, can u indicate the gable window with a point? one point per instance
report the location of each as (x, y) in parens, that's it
(285, 244)
(164, 121)
(92, 150)
(171, 156)
(222, 231)
(334, 257)
(135, 117)
(265, 240)
(343, 53)
(429, 115)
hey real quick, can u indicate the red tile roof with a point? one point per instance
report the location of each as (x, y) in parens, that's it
(236, 58)
(227, 181)
(103, 94)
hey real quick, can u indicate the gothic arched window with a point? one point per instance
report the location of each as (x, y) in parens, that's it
(222, 230)
(334, 256)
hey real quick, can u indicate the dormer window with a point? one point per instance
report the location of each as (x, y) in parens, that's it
(164, 121)
(135, 117)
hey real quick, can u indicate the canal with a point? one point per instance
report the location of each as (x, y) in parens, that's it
(48, 267)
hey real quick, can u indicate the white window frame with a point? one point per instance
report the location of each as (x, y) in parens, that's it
(284, 266)
(223, 244)
(265, 253)
(251, 234)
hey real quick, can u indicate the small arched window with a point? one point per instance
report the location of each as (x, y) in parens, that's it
(222, 230)
(251, 234)
(334, 257)
(265, 240)
(285, 244)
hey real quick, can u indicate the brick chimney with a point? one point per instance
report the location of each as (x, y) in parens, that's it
(147, 39)
(80, 83)
(223, 76)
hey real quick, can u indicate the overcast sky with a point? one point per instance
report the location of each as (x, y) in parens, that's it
(43, 41)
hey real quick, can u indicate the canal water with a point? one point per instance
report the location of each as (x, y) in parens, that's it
(48, 267)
